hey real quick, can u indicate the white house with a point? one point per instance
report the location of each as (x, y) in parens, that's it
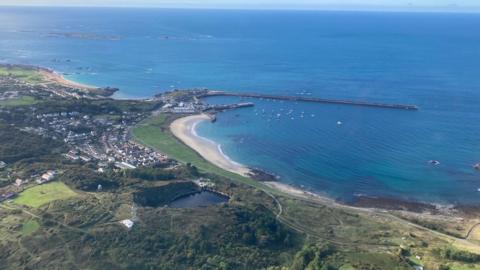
(46, 177)
(127, 223)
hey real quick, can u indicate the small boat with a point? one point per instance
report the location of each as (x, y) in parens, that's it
(339, 123)
(434, 162)
(477, 166)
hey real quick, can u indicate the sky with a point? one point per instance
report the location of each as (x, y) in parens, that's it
(268, 4)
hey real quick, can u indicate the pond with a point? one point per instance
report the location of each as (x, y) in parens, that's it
(200, 199)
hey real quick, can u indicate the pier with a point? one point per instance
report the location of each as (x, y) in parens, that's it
(229, 106)
(313, 99)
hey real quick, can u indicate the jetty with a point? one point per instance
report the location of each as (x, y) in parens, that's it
(311, 99)
(219, 108)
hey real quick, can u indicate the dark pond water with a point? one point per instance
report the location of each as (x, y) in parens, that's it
(201, 199)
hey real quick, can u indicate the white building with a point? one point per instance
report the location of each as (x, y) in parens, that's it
(124, 166)
(18, 182)
(127, 223)
(46, 177)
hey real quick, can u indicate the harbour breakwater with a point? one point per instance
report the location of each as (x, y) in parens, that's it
(312, 99)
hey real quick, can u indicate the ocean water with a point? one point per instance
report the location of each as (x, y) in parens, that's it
(431, 60)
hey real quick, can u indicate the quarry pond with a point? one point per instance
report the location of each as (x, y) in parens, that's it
(200, 199)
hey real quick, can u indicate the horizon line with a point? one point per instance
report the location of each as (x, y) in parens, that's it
(359, 8)
(392, 9)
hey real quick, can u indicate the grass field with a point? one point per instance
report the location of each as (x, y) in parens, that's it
(154, 132)
(347, 267)
(30, 227)
(26, 75)
(455, 266)
(43, 194)
(22, 101)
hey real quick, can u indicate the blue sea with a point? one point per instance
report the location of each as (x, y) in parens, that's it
(431, 60)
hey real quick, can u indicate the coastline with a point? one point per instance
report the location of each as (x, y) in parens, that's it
(50, 76)
(58, 78)
(184, 129)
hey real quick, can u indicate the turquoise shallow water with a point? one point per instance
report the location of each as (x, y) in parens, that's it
(431, 60)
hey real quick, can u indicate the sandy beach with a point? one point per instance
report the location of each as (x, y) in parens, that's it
(55, 77)
(184, 130)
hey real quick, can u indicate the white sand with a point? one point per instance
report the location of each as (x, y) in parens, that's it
(184, 130)
(286, 188)
(57, 78)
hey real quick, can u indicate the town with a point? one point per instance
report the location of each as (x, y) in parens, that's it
(101, 139)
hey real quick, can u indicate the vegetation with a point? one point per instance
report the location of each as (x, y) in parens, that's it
(28, 75)
(43, 194)
(21, 145)
(86, 179)
(454, 254)
(22, 101)
(151, 174)
(163, 195)
(30, 227)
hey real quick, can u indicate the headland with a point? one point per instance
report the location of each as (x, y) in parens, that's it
(47, 77)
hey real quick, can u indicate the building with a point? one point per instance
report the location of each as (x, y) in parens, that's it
(85, 159)
(124, 166)
(18, 182)
(127, 223)
(204, 183)
(46, 177)
(71, 156)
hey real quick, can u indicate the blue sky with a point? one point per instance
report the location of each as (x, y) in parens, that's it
(360, 4)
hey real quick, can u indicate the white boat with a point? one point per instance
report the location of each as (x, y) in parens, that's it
(434, 162)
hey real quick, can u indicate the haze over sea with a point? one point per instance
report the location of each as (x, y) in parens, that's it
(428, 59)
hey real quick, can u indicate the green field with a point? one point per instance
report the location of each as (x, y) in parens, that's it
(30, 227)
(43, 194)
(24, 74)
(466, 267)
(155, 133)
(347, 267)
(22, 101)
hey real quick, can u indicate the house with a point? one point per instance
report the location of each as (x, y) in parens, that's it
(204, 183)
(46, 177)
(18, 182)
(167, 106)
(127, 223)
